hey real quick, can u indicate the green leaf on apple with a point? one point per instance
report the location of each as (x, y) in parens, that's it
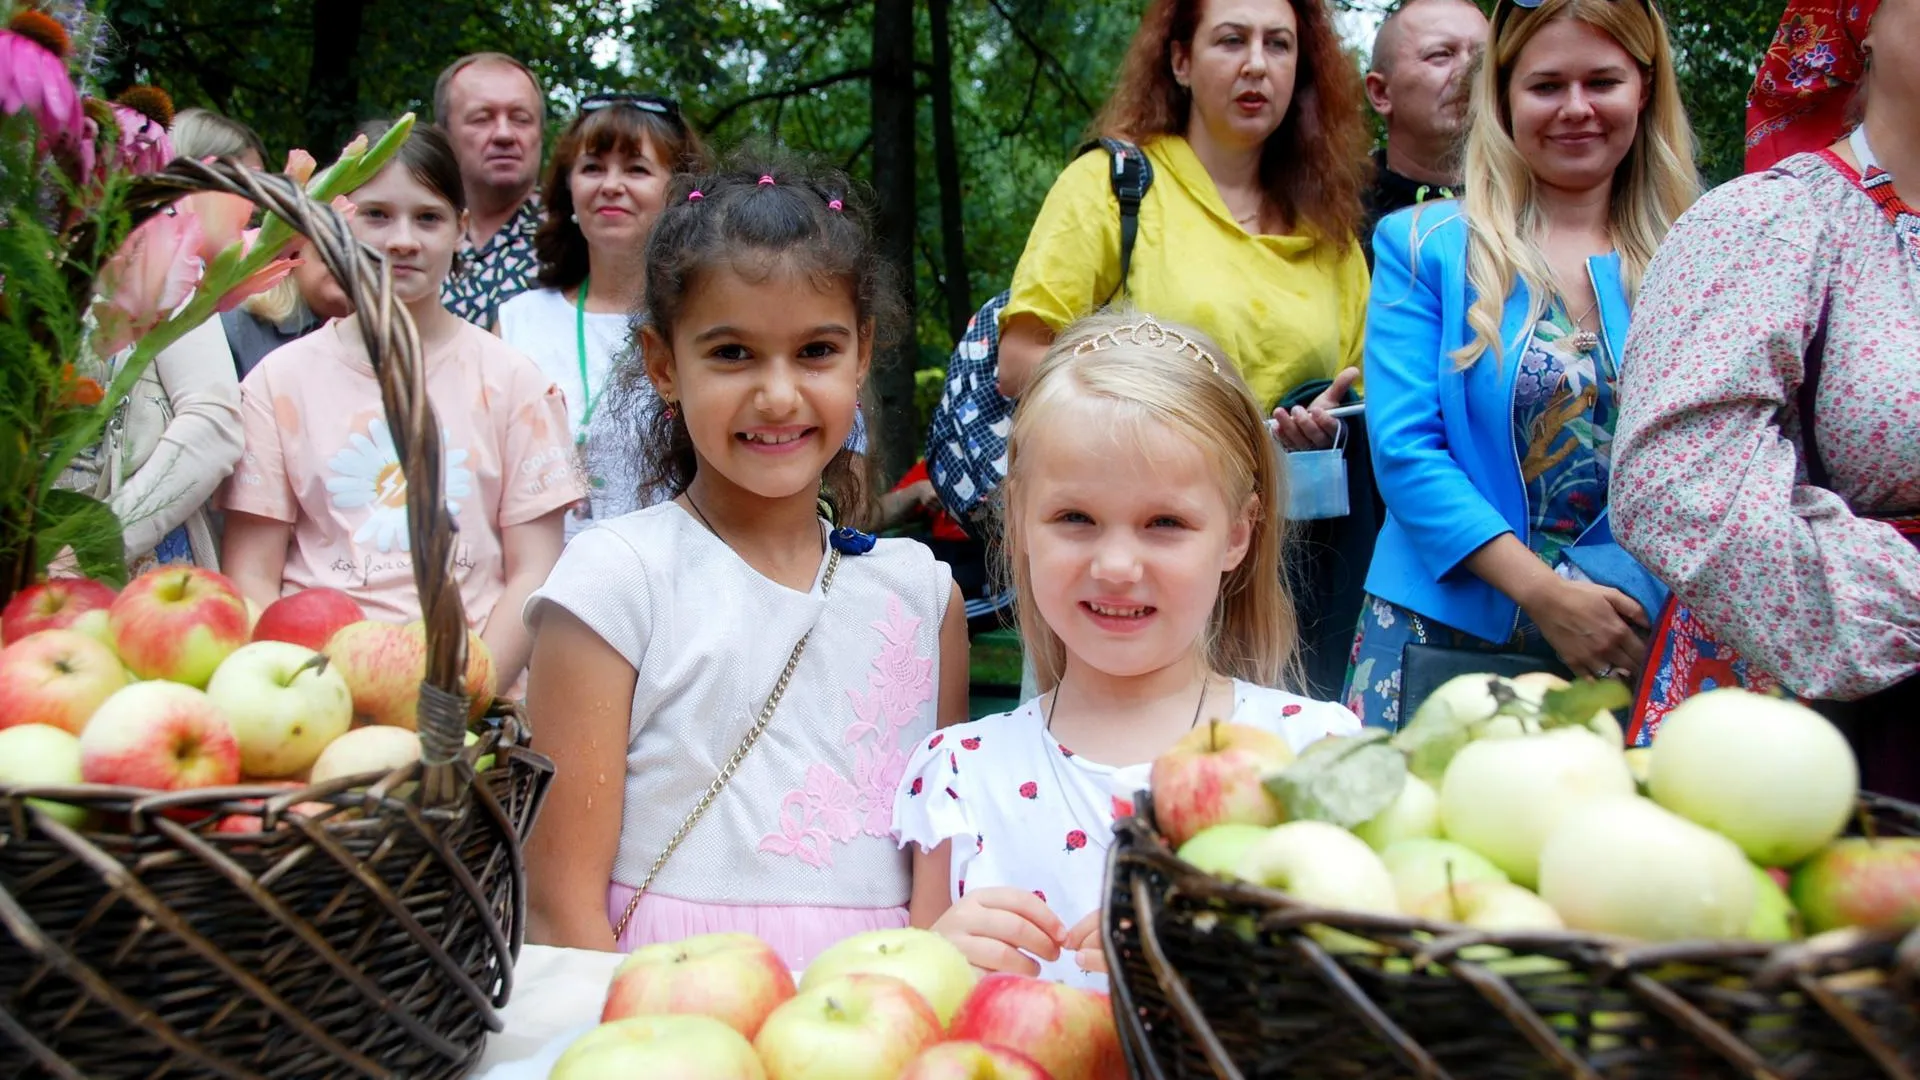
(1574, 705)
(1343, 781)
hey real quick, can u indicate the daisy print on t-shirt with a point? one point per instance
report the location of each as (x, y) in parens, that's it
(367, 474)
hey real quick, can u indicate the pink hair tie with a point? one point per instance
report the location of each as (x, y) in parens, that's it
(694, 195)
(834, 205)
(766, 180)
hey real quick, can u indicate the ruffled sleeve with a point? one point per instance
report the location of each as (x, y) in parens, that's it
(930, 806)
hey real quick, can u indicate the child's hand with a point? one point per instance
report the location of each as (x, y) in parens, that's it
(996, 928)
(1084, 941)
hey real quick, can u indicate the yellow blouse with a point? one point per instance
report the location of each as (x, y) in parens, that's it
(1286, 308)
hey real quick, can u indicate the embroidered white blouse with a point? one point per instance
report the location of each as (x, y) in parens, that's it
(1025, 811)
(806, 819)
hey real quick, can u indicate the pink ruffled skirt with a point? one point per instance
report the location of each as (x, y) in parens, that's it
(797, 933)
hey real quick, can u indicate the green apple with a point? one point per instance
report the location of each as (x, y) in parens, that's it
(1773, 916)
(1488, 905)
(660, 1048)
(1858, 882)
(1640, 762)
(922, 959)
(35, 755)
(486, 760)
(1217, 849)
(284, 702)
(1625, 865)
(855, 1027)
(1423, 867)
(1771, 775)
(1320, 864)
(1414, 813)
(1502, 797)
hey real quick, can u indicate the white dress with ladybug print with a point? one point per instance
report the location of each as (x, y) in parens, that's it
(1025, 811)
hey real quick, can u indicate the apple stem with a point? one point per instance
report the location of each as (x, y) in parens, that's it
(1453, 898)
(1213, 736)
(1867, 827)
(833, 1009)
(317, 665)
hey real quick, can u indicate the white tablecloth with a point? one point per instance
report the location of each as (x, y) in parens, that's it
(556, 992)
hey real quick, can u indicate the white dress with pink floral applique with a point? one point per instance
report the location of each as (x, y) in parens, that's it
(797, 848)
(1024, 811)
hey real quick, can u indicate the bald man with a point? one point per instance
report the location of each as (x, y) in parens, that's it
(1419, 83)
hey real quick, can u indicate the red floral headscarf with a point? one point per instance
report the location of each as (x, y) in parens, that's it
(1807, 79)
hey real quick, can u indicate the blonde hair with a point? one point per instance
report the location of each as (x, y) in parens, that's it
(276, 304)
(203, 133)
(1652, 186)
(1178, 378)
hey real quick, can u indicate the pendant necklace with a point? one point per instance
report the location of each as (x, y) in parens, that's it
(1583, 340)
(1205, 684)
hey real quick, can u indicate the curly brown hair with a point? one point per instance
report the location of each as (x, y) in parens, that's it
(1314, 167)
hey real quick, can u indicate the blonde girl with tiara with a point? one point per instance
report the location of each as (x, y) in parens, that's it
(729, 686)
(1143, 536)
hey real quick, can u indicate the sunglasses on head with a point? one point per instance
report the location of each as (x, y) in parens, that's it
(647, 103)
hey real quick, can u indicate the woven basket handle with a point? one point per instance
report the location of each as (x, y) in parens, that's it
(393, 344)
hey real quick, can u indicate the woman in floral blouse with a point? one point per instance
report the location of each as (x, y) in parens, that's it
(1494, 333)
(1786, 291)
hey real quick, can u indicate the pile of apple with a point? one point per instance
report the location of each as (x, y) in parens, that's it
(1511, 805)
(176, 683)
(883, 1005)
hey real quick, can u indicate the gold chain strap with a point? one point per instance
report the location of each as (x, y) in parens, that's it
(733, 763)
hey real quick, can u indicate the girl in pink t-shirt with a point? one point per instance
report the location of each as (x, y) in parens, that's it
(319, 499)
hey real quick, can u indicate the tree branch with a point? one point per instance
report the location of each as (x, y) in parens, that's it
(713, 122)
(1042, 55)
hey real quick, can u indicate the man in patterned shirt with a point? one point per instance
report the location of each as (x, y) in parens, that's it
(494, 112)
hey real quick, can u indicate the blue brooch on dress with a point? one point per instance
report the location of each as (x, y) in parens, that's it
(849, 541)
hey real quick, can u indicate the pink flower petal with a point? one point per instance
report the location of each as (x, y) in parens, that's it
(152, 273)
(299, 165)
(223, 218)
(258, 282)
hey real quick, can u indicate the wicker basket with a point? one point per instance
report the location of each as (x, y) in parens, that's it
(1220, 979)
(374, 937)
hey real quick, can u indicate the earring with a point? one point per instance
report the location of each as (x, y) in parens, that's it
(574, 217)
(671, 412)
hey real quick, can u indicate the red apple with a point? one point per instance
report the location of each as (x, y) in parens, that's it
(660, 1048)
(52, 605)
(855, 1027)
(1069, 1032)
(1857, 882)
(384, 664)
(159, 735)
(56, 677)
(1212, 777)
(735, 978)
(250, 823)
(178, 623)
(973, 1061)
(310, 617)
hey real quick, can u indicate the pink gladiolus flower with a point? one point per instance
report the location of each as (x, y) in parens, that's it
(33, 79)
(223, 220)
(344, 206)
(151, 275)
(257, 282)
(144, 146)
(299, 166)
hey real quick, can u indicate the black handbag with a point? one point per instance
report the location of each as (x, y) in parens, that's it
(1423, 668)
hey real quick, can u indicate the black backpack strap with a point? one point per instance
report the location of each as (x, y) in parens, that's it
(1809, 394)
(1131, 175)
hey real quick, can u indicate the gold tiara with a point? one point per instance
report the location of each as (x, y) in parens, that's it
(1152, 335)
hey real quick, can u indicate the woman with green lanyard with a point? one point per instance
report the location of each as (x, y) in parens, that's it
(604, 188)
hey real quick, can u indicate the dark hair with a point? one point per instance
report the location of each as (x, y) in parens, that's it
(561, 248)
(1314, 166)
(810, 219)
(443, 86)
(428, 156)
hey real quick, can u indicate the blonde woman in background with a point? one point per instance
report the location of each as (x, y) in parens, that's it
(1494, 338)
(202, 133)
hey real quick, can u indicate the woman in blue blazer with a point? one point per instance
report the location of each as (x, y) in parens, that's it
(1494, 334)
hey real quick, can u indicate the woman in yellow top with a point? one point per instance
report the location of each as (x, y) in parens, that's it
(1250, 113)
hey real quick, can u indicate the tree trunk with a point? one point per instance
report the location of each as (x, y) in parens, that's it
(946, 162)
(333, 81)
(892, 103)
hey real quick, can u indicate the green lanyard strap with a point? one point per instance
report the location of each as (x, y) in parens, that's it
(580, 351)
